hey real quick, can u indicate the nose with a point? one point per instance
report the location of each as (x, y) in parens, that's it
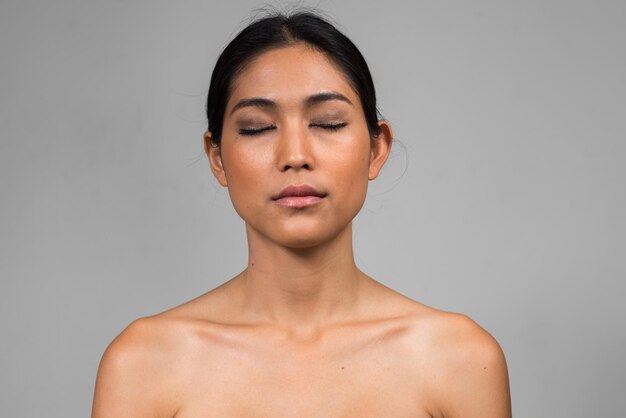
(294, 149)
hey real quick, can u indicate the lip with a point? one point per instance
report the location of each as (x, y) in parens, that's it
(299, 201)
(302, 190)
(299, 196)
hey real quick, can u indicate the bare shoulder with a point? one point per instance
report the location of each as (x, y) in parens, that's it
(460, 368)
(137, 373)
(144, 370)
(467, 365)
(457, 334)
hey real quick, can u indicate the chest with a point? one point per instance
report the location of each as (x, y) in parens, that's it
(370, 383)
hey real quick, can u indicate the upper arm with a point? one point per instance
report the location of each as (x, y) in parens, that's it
(476, 377)
(130, 380)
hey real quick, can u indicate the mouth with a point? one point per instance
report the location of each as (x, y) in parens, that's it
(299, 196)
(298, 201)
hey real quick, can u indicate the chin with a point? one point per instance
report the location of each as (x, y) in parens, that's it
(308, 237)
(300, 237)
(301, 242)
(299, 232)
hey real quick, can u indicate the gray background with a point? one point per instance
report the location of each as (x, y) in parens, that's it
(506, 202)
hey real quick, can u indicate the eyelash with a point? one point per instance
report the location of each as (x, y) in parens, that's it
(330, 126)
(327, 126)
(255, 131)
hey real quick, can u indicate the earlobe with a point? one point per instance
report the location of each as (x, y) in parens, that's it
(215, 159)
(380, 149)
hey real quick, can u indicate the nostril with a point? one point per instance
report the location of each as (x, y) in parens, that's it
(295, 159)
(296, 166)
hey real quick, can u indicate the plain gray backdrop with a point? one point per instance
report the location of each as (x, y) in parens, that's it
(507, 202)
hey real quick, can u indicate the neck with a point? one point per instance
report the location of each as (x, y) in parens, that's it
(300, 289)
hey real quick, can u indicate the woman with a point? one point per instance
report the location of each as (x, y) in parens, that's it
(295, 137)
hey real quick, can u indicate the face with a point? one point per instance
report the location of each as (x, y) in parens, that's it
(293, 119)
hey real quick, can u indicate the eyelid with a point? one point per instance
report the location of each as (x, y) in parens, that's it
(256, 131)
(332, 126)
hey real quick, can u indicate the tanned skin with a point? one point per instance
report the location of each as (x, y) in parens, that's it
(301, 331)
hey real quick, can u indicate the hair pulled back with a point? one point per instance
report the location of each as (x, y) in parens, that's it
(278, 30)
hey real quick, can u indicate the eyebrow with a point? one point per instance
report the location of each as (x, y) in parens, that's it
(310, 101)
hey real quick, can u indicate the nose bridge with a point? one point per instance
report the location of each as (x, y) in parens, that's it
(294, 149)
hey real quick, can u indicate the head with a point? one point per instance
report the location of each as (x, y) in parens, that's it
(291, 102)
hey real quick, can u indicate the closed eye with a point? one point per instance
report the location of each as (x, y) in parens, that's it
(330, 126)
(255, 131)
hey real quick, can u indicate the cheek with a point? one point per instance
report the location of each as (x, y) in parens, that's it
(348, 167)
(246, 173)
(350, 164)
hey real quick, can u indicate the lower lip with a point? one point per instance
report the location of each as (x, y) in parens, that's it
(299, 201)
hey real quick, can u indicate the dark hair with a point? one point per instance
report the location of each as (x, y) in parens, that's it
(278, 30)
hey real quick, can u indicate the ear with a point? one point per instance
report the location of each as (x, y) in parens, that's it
(380, 149)
(215, 159)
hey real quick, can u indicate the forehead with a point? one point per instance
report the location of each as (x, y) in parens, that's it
(289, 74)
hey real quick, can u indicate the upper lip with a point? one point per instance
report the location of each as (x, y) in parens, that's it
(302, 190)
